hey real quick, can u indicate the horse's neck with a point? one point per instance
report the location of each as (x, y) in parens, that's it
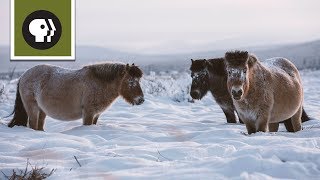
(217, 77)
(258, 78)
(217, 67)
(110, 87)
(218, 85)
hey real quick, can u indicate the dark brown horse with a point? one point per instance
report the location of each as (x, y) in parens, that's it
(210, 75)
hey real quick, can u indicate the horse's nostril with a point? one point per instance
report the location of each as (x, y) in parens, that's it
(236, 93)
(140, 101)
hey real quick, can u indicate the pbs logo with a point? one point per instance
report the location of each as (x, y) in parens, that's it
(41, 29)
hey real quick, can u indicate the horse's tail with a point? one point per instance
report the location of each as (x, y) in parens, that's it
(20, 117)
(304, 116)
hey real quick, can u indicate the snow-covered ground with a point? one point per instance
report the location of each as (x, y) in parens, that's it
(165, 138)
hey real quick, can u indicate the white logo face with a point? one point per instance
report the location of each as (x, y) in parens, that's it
(40, 29)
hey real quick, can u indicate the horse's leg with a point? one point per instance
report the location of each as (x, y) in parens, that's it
(231, 118)
(87, 117)
(239, 117)
(240, 121)
(32, 111)
(262, 124)
(250, 127)
(287, 123)
(96, 119)
(273, 127)
(296, 120)
(87, 120)
(41, 119)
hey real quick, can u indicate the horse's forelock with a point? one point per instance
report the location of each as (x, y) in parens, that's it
(135, 71)
(237, 55)
(236, 58)
(198, 65)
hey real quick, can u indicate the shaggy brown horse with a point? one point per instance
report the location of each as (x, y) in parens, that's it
(264, 93)
(68, 95)
(210, 75)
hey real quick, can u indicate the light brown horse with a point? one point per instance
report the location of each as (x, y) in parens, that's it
(264, 93)
(68, 95)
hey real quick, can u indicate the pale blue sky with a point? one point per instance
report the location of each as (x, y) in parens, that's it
(151, 26)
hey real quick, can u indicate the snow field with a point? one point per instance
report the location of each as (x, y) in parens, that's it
(167, 137)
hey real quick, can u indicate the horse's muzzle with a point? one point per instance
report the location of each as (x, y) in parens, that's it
(236, 97)
(236, 94)
(195, 94)
(139, 101)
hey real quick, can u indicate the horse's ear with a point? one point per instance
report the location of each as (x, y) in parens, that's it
(132, 64)
(191, 60)
(252, 60)
(127, 67)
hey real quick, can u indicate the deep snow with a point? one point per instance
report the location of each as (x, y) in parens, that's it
(165, 138)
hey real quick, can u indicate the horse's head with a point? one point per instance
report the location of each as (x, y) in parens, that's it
(200, 78)
(238, 64)
(130, 87)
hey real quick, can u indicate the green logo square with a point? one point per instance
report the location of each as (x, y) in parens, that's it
(42, 29)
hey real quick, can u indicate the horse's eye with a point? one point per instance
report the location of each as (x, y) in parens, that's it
(244, 71)
(131, 82)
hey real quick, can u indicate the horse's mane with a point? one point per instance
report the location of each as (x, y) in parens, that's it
(110, 71)
(252, 58)
(107, 71)
(217, 66)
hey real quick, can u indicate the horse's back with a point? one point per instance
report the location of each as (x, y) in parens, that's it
(37, 70)
(33, 77)
(39, 75)
(282, 66)
(284, 74)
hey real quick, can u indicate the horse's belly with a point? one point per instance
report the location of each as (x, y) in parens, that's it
(64, 116)
(288, 97)
(62, 110)
(284, 112)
